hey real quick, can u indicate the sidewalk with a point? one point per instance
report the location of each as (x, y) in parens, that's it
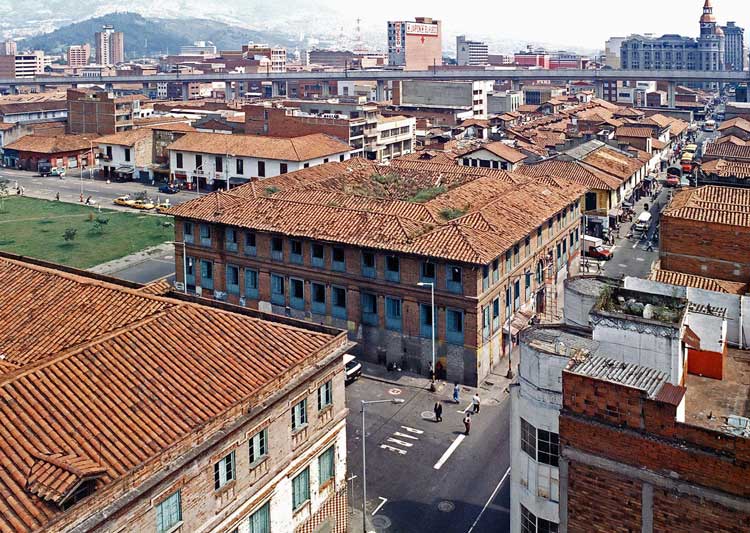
(492, 389)
(131, 260)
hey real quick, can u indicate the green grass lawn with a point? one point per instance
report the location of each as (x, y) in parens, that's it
(36, 228)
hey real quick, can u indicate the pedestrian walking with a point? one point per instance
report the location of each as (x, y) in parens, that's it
(475, 402)
(438, 411)
(467, 424)
(456, 391)
(57, 196)
(650, 246)
(23, 190)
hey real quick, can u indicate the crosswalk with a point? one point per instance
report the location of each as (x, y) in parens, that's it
(402, 440)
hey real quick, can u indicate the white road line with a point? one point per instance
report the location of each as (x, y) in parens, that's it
(468, 407)
(391, 448)
(449, 452)
(380, 505)
(412, 430)
(492, 497)
(401, 442)
(405, 436)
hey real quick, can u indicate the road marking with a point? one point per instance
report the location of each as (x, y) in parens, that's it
(353, 476)
(492, 497)
(412, 430)
(401, 442)
(449, 452)
(391, 448)
(468, 407)
(380, 505)
(404, 435)
(640, 259)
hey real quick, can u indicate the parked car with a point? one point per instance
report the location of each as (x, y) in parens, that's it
(58, 172)
(168, 188)
(124, 201)
(44, 168)
(594, 248)
(163, 206)
(352, 368)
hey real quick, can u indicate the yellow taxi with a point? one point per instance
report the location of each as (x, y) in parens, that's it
(124, 201)
(143, 204)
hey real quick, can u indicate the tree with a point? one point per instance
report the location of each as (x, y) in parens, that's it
(70, 235)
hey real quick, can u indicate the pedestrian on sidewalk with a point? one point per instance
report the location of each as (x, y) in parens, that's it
(57, 196)
(475, 402)
(650, 246)
(467, 423)
(438, 411)
(456, 391)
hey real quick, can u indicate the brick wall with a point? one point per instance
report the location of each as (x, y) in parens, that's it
(600, 502)
(332, 517)
(279, 124)
(688, 514)
(703, 249)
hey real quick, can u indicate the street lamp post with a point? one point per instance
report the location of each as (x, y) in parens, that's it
(365, 403)
(184, 264)
(432, 320)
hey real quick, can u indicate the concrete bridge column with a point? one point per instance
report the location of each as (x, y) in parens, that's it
(228, 91)
(185, 91)
(108, 86)
(326, 89)
(671, 90)
(515, 85)
(599, 89)
(380, 91)
(12, 89)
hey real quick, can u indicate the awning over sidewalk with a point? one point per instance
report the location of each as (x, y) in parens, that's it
(124, 170)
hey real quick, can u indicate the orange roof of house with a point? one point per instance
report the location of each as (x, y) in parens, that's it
(698, 282)
(727, 151)
(302, 148)
(727, 169)
(737, 122)
(7, 126)
(54, 144)
(126, 138)
(590, 178)
(711, 204)
(471, 215)
(501, 150)
(109, 377)
(613, 162)
(634, 131)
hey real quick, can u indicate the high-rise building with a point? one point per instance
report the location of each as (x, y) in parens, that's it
(29, 64)
(78, 55)
(275, 54)
(415, 45)
(612, 51)
(8, 48)
(734, 49)
(471, 53)
(674, 52)
(110, 46)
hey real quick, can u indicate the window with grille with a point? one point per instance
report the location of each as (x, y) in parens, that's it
(224, 471)
(528, 439)
(168, 513)
(299, 415)
(548, 447)
(325, 395)
(258, 445)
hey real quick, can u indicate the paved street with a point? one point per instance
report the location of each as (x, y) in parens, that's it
(71, 186)
(424, 476)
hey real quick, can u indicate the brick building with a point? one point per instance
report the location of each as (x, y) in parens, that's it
(134, 410)
(641, 454)
(99, 112)
(706, 232)
(127, 155)
(346, 244)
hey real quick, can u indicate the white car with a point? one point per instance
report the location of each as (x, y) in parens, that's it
(353, 368)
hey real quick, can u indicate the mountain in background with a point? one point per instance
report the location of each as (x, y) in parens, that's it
(151, 36)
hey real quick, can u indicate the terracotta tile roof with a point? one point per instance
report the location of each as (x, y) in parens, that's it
(172, 126)
(527, 108)
(711, 204)
(54, 476)
(627, 112)
(738, 122)
(4, 126)
(126, 138)
(502, 150)
(135, 375)
(698, 282)
(293, 149)
(42, 144)
(157, 288)
(727, 169)
(614, 162)
(364, 204)
(727, 151)
(634, 131)
(16, 108)
(591, 178)
(435, 156)
(731, 139)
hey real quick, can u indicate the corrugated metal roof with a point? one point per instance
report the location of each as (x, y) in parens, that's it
(640, 377)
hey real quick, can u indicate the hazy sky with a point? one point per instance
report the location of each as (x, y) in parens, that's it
(584, 22)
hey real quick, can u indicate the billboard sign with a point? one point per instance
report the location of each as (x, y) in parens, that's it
(417, 28)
